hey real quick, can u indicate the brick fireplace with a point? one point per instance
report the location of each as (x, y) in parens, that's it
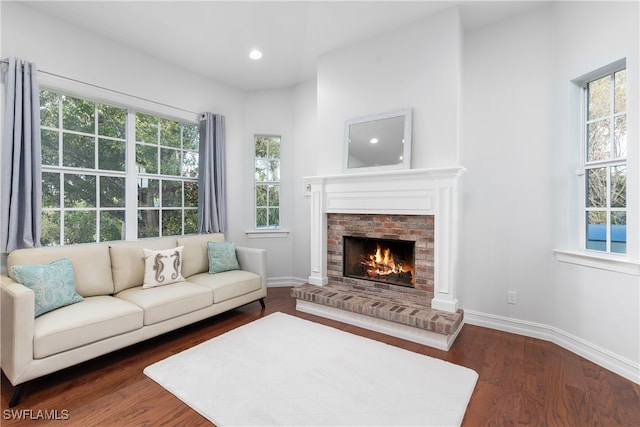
(390, 230)
(418, 205)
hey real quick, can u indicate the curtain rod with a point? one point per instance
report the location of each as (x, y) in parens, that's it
(110, 90)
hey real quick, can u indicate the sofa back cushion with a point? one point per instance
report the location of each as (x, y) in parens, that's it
(91, 264)
(127, 260)
(194, 255)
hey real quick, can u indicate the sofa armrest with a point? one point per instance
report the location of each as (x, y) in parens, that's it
(253, 260)
(16, 328)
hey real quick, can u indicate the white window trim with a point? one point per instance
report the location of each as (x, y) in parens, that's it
(608, 163)
(267, 234)
(602, 261)
(628, 263)
(272, 232)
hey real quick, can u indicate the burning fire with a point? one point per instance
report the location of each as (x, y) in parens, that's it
(381, 263)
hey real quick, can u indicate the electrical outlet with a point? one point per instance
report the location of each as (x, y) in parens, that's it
(512, 297)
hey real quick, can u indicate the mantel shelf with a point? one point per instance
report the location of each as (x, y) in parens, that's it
(433, 173)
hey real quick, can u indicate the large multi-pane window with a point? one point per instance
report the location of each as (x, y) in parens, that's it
(87, 181)
(605, 162)
(267, 181)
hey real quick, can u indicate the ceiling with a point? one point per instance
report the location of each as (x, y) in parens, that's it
(213, 38)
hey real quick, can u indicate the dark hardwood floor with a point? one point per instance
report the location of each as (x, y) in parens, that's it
(523, 381)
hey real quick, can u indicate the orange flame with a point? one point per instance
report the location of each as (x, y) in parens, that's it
(382, 263)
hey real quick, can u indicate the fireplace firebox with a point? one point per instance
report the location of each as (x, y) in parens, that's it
(380, 260)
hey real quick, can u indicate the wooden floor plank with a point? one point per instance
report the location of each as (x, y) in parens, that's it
(523, 381)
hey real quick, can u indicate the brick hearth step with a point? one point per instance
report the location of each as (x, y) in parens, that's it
(386, 307)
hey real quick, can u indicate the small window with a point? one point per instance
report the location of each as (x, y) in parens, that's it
(267, 182)
(605, 162)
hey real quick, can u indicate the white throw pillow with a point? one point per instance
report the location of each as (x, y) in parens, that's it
(162, 267)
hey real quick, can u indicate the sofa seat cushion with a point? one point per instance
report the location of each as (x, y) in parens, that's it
(168, 301)
(228, 284)
(94, 319)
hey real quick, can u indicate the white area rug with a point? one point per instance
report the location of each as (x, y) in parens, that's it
(285, 371)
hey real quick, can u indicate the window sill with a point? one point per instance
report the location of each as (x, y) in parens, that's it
(267, 234)
(600, 261)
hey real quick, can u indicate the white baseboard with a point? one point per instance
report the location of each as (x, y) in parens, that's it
(277, 282)
(603, 357)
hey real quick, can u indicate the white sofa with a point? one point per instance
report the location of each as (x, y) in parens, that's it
(116, 311)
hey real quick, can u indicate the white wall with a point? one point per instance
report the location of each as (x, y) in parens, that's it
(417, 67)
(598, 306)
(306, 149)
(290, 113)
(507, 122)
(62, 48)
(270, 113)
(521, 189)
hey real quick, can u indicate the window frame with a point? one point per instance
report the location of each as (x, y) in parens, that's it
(162, 177)
(267, 183)
(576, 252)
(61, 171)
(608, 164)
(132, 105)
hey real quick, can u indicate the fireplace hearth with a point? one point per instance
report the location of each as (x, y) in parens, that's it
(380, 260)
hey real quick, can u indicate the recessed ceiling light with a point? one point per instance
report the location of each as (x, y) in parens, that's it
(255, 54)
(374, 140)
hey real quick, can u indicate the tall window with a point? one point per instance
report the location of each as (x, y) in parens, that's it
(605, 162)
(267, 181)
(167, 166)
(85, 151)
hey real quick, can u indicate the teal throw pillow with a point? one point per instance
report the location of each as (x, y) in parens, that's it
(53, 284)
(222, 257)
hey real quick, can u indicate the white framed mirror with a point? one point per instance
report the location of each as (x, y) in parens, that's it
(379, 142)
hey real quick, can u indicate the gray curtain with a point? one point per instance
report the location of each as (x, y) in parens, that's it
(212, 193)
(21, 192)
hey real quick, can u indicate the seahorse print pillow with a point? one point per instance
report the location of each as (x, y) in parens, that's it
(162, 267)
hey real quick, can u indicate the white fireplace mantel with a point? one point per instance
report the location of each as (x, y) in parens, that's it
(405, 192)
